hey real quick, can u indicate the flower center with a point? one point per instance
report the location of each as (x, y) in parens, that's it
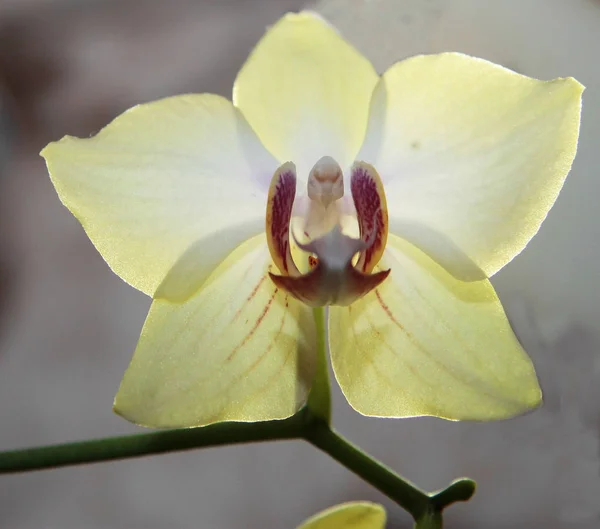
(336, 275)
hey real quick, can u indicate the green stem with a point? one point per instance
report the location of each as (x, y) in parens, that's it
(425, 508)
(459, 490)
(319, 399)
(403, 492)
(145, 444)
(432, 519)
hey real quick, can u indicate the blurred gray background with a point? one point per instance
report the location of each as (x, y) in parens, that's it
(68, 326)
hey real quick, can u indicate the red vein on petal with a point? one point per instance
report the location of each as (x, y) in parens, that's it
(268, 349)
(256, 325)
(275, 375)
(368, 354)
(255, 364)
(410, 336)
(442, 318)
(458, 376)
(389, 313)
(379, 334)
(249, 298)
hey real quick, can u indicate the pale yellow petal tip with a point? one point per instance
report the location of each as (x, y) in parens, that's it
(533, 400)
(46, 151)
(146, 419)
(571, 89)
(517, 405)
(122, 412)
(50, 150)
(58, 155)
(351, 515)
(127, 408)
(306, 19)
(303, 16)
(576, 86)
(142, 419)
(574, 92)
(514, 400)
(459, 57)
(132, 404)
(118, 411)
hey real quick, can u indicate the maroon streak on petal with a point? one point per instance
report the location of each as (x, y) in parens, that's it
(371, 211)
(254, 328)
(279, 211)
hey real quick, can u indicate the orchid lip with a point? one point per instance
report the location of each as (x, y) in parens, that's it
(336, 275)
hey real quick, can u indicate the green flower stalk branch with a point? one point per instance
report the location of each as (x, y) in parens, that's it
(304, 425)
(145, 444)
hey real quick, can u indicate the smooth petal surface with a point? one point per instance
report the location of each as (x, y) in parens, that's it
(352, 515)
(238, 350)
(306, 92)
(472, 156)
(183, 175)
(425, 343)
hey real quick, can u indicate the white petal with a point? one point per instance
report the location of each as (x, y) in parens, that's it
(426, 343)
(306, 92)
(183, 175)
(472, 156)
(238, 350)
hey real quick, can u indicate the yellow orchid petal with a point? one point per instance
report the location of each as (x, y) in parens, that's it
(183, 175)
(472, 156)
(306, 92)
(351, 515)
(425, 343)
(238, 350)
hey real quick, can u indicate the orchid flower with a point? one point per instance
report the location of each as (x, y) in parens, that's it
(389, 199)
(351, 515)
